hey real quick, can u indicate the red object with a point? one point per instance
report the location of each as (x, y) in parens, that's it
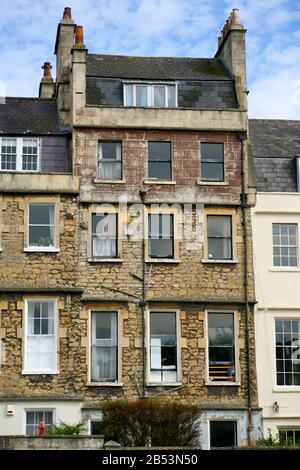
(42, 428)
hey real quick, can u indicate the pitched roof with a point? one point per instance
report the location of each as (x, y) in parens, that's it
(276, 143)
(156, 68)
(29, 115)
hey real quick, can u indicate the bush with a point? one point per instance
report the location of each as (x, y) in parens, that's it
(278, 441)
(65, 429)
(156, 422)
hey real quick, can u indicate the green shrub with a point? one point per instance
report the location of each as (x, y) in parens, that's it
(278, 441)
(156, 422)
(65, 429)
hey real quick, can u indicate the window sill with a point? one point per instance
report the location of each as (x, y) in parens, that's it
(164, 384)
(219, 261)
(212, 183)
(105, 260)
(104, 384)
(287, 389)
(156, 181)
(45, 249)
(40, 372)
(223, 384)
(282, 269)
(162, 260)
(98, 181)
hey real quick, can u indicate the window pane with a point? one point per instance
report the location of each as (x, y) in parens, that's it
(104, 346)
(160, 228)
(9, 154)
(110, 170)
(219, 226)
(171, 96)
(159, 96)
(159, 151)
(212, 151)
(96, 427)
(110, 150)
(212, 171)
(285, 245)
(40, 236)
(41, 225)
(41, 338)
(30, 155)
(161, 248)
(129, 95)
(141, 95)
(222, 434)
(219, 248)
(163, 354)
(159, 170)
(105, 235)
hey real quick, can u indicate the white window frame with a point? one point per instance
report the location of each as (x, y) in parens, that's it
(118, 382)
(236, 349)
(26, 370)
(39, 409)
(50, 248)
(178, 348)
(150, 93)
(19, 158)
(281, 266)
(117, 240)
(101, 160)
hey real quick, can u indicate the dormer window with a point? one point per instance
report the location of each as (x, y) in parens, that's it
(156, 95)
(19, 154)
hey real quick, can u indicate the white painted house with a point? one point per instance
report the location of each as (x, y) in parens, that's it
(276, 238)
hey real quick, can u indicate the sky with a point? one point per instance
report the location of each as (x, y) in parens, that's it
(160, 28)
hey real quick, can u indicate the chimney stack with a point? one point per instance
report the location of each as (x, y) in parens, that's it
(47, 85)
(63, 50)
(232, 51)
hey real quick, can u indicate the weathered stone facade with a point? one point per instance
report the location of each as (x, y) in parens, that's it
(133, 285)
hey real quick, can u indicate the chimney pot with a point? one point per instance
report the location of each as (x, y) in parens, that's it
(47, 69)
(79, 35)
(67, 13)
(235, 16)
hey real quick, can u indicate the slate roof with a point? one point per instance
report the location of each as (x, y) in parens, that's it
(38, 116)
(276, 143)
(156, 68)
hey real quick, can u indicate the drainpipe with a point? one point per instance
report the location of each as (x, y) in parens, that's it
(143, 302)
(244, 206)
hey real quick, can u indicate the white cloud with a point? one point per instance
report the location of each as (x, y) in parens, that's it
(158, 27)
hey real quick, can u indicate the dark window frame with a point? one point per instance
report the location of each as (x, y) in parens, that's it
(160, 236)
(156, 159)
(222, 370)
(212, 161)
(235, 431)
(209, 237)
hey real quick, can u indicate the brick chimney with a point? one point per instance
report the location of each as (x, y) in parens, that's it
(47, 85)
(231, 49)
(63, 47)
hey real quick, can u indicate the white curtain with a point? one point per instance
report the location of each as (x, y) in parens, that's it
(109, 170)
(41, 337)
(104, 350)
(104, 237)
